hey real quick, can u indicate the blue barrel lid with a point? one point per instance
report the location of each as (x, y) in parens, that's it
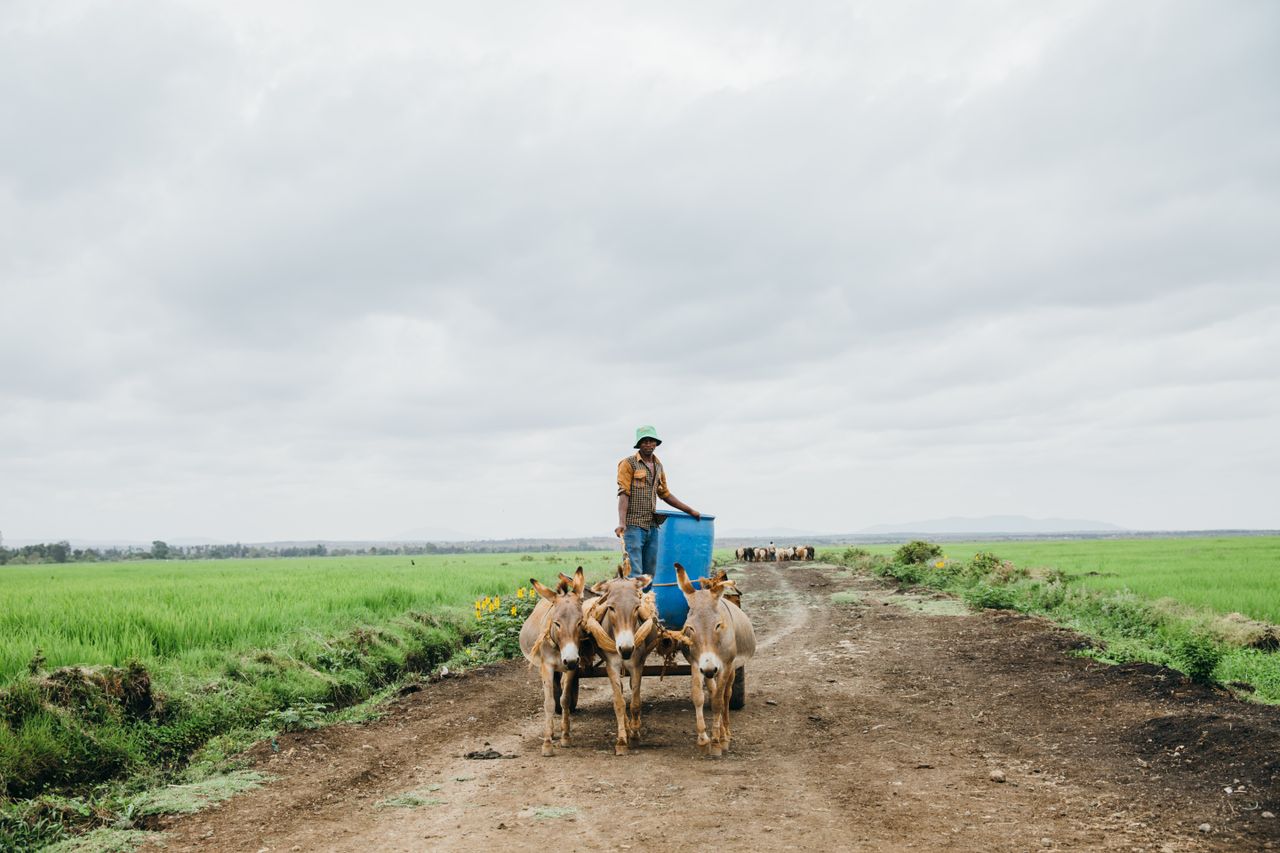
(675, 513)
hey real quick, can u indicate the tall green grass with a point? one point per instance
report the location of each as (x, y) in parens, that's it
(191, 616)
(1230, 574)
(225, 647)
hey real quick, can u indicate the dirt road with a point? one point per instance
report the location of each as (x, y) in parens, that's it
(870, 725)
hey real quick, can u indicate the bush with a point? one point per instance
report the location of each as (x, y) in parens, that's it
(992, 597)
(497, 625)
(983, 562)
(1197, 654)
(917, 551)
(912, 573)
(297, 717)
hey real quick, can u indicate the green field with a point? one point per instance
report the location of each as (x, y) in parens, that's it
(236, 649)
(1239, 574)
(1224, 574)
(1206, 606)
(133, 674)
(193, 616)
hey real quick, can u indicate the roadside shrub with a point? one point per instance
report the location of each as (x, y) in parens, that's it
(917, 551)
(906, 573)
(498, 623)
(1007, 572)
(851, 554)
(1127, 616)
(983, 562)
(23, 828)
(992, 597)
(1058, 576)
(1197, 654)
(297, 717)
(1047, 596)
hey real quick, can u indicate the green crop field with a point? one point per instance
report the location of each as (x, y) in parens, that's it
(116, 672)
(113, 671)
(1204, 606)
(1225, 574)
(190, 616)
(1239, 574)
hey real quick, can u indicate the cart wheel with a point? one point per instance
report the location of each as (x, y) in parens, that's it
(556, 687)
(738, 694)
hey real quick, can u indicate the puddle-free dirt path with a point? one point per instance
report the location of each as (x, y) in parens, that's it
(869, 726)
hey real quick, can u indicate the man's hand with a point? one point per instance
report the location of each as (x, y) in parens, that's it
(696, 514)
(619, 530)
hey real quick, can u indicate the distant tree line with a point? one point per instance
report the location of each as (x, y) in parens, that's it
(62, 552)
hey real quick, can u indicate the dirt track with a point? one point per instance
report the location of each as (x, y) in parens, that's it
(869, 726)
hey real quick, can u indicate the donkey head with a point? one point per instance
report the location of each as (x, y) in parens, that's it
(621, 614)
(564, 623)
(707, 633)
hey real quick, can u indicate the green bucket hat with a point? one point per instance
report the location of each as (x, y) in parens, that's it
(646, 431)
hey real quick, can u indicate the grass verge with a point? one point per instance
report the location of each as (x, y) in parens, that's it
(90, 756)
(1205, 646)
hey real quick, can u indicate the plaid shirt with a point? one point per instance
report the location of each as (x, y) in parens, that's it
(643, 487)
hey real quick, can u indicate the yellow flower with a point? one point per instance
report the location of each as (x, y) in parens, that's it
(939, 564)
(513, 610)
(520, 592)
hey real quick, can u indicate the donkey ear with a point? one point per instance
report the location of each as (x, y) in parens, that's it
(643, 580)
(549, 594)
(579, 581)
(683, 579)
(600, 587)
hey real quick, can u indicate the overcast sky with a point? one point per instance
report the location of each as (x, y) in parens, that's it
(312, 270)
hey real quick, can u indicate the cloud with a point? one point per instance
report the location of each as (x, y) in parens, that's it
(287, 272)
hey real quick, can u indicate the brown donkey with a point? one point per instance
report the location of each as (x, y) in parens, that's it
(622, 621)
(717, 637)
(550, 640)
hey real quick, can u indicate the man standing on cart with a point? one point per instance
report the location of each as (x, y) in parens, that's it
(641, 481)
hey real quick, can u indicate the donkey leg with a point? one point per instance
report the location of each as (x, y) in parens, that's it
(730, 677)
(548, 708)
(567, 682)
(716, 747)
(633, 720)
(704, 742)
(619, 708)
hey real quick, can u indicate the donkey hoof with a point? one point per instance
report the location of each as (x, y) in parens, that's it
(715, 751)
(548, 750)
(564, 741)
(620, 749)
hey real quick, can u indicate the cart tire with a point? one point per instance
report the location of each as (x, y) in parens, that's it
(556, 685)
(738, 695)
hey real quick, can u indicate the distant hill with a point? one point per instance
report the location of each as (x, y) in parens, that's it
(995, 524)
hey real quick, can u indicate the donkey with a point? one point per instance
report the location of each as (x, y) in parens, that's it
(549, 640)
(622, 621)
(717, 638)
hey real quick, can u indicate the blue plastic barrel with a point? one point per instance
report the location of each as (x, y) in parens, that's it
(688, 541)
